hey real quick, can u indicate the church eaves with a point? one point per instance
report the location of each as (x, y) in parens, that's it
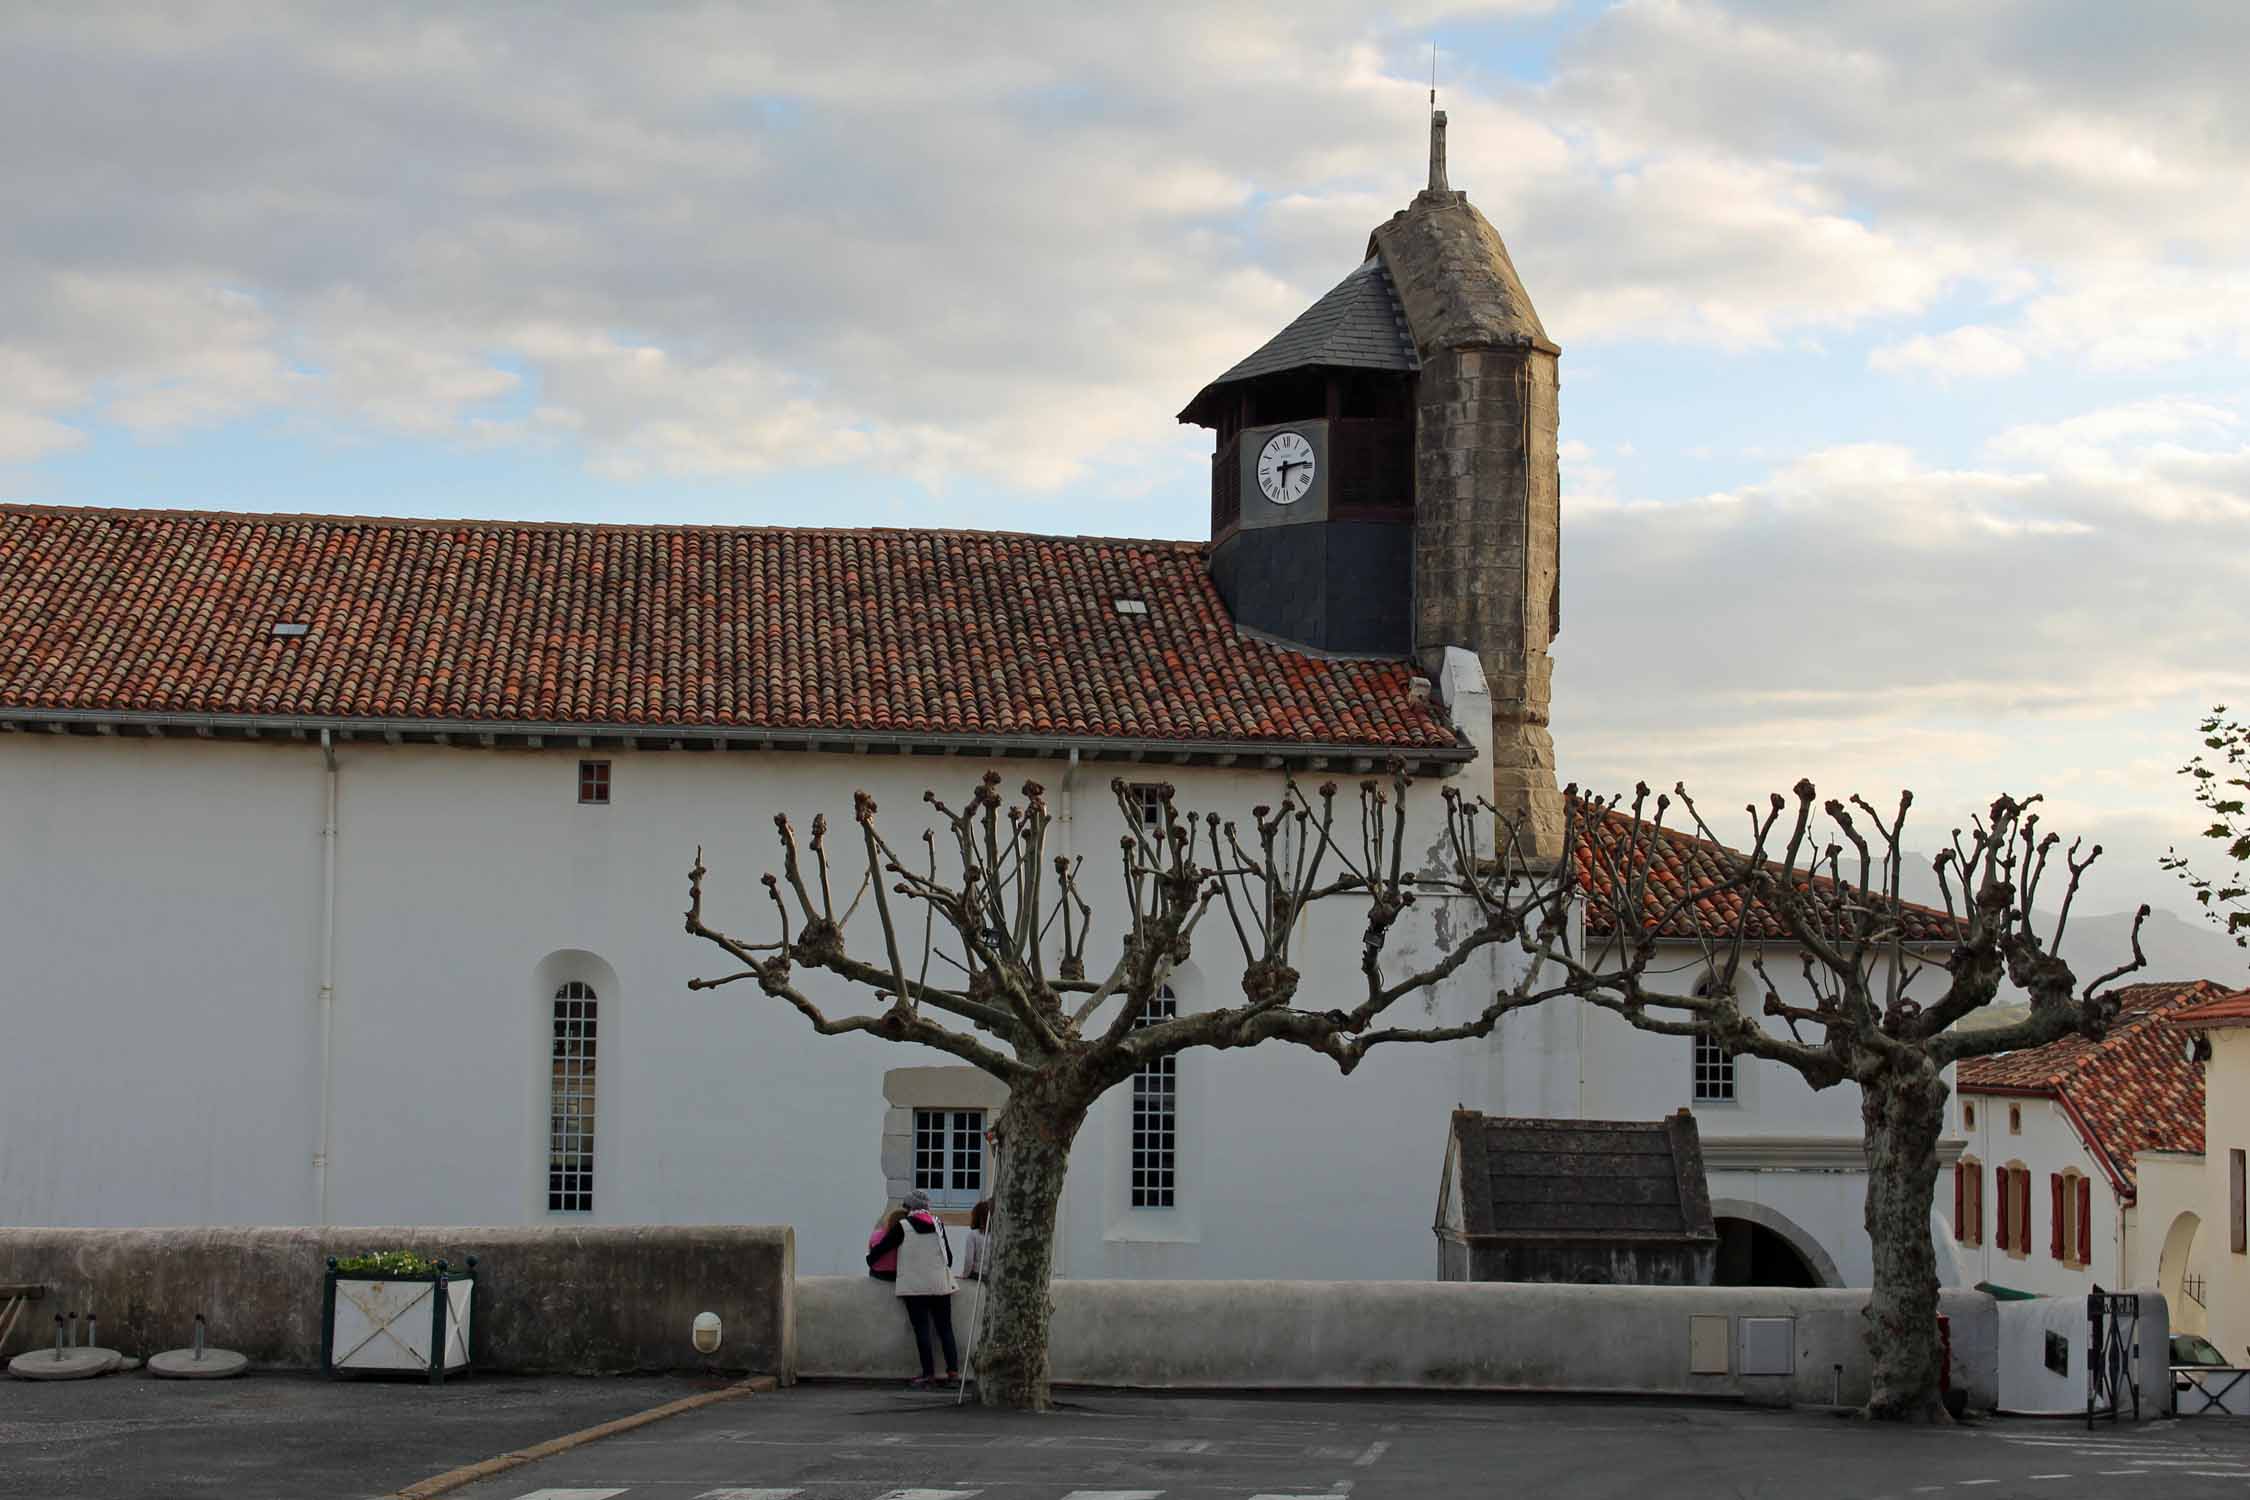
(736, 637)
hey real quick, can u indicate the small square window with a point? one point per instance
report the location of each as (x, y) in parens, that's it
(1714, 1072)
(1969, 1116)
(593, 781)
(1148, 803)
(2015, 1119)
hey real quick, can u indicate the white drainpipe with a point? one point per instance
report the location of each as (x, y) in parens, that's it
(327, 970)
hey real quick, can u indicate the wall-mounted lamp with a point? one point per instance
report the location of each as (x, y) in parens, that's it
(706, 1333)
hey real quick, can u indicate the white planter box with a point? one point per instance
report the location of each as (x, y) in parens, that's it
(418, 1324)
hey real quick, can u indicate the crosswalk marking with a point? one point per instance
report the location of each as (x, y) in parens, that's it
(741, 1494)
(1114, 1495)
(571, 1495)
(929, 1495)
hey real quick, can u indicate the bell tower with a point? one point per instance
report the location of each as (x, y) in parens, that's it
(1425, 390)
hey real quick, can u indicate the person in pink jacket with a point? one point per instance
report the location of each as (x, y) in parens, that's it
(921, 1260)
(882, 1246)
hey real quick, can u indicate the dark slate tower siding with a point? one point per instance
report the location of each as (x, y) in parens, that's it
(1342, 587)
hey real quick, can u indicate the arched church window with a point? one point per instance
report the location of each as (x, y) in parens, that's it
(570, 1115)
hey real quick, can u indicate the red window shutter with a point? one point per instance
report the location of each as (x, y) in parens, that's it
(2023, 1210)
(2086, 1221)
(1961, 1203)
(1976, 1204)
(2000, 1209)
(2055, 1225)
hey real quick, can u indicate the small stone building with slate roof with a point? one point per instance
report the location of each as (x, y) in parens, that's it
(1598, 1202)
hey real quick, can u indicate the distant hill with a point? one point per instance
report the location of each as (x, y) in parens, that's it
(2176, 947)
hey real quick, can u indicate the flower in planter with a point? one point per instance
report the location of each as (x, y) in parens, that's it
(387, 1263)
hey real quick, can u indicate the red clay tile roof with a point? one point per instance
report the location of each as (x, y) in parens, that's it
(1681, 863)
(903, 632)
(2132, 1091)
(2229, 1010)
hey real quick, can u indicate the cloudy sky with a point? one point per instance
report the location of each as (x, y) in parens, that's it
(1904, 391)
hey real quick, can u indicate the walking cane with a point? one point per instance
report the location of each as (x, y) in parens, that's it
(976, 1314)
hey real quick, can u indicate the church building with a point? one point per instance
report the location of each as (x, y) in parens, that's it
(345, 856)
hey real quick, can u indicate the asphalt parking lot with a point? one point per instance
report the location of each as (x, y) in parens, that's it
(287, 1436)
(881, 1443)
(300, 1437)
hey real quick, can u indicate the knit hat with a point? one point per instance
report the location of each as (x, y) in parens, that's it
(915, 1200)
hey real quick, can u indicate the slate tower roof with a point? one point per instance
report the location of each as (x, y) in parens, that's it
(1358, 324)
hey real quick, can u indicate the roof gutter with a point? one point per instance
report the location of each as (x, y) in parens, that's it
(488, 734)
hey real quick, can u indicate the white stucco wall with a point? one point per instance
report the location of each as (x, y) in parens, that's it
(162, 910)
(2171, 1245)
(2047, 1143)
(2029, 1384)
(2183, 1223)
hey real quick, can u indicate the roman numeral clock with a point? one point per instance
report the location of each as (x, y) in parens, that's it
(1287, 467)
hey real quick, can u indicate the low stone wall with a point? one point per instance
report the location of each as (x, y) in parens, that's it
(550, 1300)
(1405, 1335)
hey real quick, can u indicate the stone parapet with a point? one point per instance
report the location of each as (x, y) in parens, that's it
(577, 1300)
(1414, 1335)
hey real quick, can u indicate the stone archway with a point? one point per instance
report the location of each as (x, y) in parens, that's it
(2173, 1268)
(1762, 1237)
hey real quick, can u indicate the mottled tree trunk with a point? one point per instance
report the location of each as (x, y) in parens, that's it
(1903, 1112)
(1035, 1134)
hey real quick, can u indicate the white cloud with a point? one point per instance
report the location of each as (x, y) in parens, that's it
(2066, 607)
(1003, 251)
(1970, 353)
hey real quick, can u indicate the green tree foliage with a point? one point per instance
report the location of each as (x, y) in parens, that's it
(2221, 790)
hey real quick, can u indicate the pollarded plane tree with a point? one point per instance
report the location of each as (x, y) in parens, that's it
(1831, 890)
(978, 948)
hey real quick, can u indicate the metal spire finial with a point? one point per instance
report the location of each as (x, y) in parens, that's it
(1437, 130)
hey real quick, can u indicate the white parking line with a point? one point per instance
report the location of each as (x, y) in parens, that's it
(742, 1494)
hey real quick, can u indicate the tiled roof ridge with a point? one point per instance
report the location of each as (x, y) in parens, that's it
(491, 523)
(2157, 1000)
(882, 631)
(1624, 814)
(2232, 1005)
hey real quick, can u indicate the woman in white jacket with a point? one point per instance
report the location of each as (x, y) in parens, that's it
(925, 1283)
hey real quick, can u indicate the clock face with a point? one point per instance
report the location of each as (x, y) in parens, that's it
(1285, 468)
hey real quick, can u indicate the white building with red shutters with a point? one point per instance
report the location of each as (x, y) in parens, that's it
(2047, 1184)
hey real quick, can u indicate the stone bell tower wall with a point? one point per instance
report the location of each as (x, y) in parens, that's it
(1487, 547)
(1487, 489)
